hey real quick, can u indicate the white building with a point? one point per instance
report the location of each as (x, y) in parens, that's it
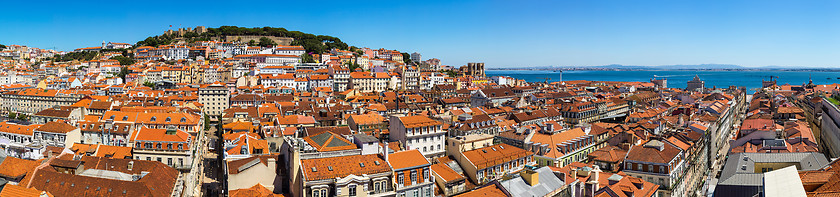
(419, 133)
(289, 50)
(215, 97)
(278, 80)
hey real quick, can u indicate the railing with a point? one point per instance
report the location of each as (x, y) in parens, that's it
(330, 154)
(386, 190)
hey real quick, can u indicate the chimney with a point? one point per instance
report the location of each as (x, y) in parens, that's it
(587, 128)
(130, 165)
(574, 173)
(385, 151)
(530, 176)
(549, 127)
(625, 146)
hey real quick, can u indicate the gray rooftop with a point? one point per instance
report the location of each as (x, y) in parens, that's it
(365, 138)
(739, 173)
(548, 182)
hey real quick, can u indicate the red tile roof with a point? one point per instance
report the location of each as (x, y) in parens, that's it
(407, 159)
(20, 191)
(319, 169)
(446, 173)
(495, 155)
(14, 168)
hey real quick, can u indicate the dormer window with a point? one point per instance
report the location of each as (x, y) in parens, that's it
(112, 117)
(153, 119)
(125, 118)
(168, 119)
(183, 119)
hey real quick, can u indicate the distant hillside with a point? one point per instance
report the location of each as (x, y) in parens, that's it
(311, 42)
(702, 66)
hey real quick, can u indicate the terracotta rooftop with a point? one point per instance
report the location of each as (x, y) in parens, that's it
(418, 121)
(495, 155)
(20, 191)
(407, 159)
(12, 167)
(334, 167)
(56, 127)
(328, 141)
(446, 173)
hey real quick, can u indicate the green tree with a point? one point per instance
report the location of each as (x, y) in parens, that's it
(2, 46)
(156, 41)
(310, 42)
(407, 58)
(451, 73)
(123, 72)
(306, 58)
(266, 42)
(206, 122)
(123, 60)
(22, 117)
(150, 84)
(12, 115)
(252, 43)
(352, 66)
(81, 56)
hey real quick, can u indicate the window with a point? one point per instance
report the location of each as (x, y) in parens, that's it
(426, 174)
(639, 167)
(428, 192)
(169, 161)
(662, 169)
(414, 176)
(180, 146)
(169, 146)
(400, 179)
(352, 190)
(424, 149)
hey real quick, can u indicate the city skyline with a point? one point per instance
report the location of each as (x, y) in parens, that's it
(527, 34)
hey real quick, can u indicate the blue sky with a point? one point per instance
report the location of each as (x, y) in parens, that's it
(499, 33)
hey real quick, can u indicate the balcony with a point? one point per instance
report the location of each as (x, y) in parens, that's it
(387, 192)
